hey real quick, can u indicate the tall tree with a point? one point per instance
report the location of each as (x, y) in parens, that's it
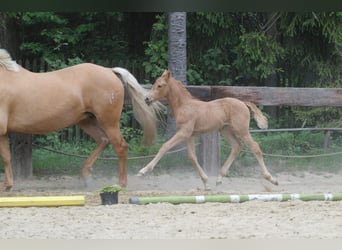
(270, 29)
(177, 45)
(176, 56)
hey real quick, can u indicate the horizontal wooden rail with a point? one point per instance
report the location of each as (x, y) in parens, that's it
(293, 130)
(270, 96)
(273, 96)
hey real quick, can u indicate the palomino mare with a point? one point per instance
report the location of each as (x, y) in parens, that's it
(88, 95)
(228, 115)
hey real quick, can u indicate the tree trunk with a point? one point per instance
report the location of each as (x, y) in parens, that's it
(210, 154)
(271, 81)
(177, 57)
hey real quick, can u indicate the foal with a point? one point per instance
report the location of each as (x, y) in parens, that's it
(193, 117)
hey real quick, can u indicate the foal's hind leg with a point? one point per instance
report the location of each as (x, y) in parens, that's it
(6, 159)
(236, 149)
(193, 158)
(258, 154)
(91, 127)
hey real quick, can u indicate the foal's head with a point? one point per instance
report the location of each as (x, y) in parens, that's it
(159, 89)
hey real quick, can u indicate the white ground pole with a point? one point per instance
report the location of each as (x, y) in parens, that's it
(236, 198)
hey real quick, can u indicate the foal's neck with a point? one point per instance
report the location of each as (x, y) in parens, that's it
(177, 96)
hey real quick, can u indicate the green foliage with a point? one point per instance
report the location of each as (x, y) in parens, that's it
(287, 143)
(110, 189)
(129, 132)
(210, 39)
(156, 48)
(257, 55)
(319, 117)
(64, 39)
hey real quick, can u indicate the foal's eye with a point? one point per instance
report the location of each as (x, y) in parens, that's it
(159, 86)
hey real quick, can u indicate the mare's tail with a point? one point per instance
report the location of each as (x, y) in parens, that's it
(258, 116)
(147, 116)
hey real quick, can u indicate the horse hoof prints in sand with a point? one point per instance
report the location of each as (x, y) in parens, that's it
(87, 95)
(228, 115)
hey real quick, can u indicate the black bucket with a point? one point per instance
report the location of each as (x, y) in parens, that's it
(109, 198)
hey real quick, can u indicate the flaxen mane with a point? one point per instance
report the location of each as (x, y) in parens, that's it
(7, 62)
(182, 88)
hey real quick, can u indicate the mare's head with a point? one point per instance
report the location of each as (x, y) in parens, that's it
(160, 88)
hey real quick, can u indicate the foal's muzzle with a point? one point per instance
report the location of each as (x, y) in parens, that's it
(148, 100)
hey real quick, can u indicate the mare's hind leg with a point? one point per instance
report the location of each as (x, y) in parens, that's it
(6, 159)
(90, 126)
(254, 147)
(193, 158)
(236, 149)
(121, 148)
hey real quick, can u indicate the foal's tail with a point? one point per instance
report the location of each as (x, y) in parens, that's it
(258, 116)
(147, 116)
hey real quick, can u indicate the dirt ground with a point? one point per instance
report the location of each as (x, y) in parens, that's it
(248, 220)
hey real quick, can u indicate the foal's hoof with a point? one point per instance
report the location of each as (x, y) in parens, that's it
(219, 181)
(140, 174)
(273, 181)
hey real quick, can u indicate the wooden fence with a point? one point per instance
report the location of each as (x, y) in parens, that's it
(209, 149)
(267, 96)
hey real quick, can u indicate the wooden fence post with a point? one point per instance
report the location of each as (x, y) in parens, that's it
(21, 155)
(210, 152)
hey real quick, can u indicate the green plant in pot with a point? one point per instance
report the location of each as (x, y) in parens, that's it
(109, 194)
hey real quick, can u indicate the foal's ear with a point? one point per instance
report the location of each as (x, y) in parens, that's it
(166, 74)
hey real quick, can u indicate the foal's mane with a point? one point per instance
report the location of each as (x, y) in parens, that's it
(7, 62)
(182, 88)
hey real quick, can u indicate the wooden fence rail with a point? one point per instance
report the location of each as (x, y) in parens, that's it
(270, 96)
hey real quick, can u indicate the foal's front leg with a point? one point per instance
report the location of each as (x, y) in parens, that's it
(193, 158)
(177, 138)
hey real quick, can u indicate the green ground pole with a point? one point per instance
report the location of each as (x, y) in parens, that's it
(235, 198)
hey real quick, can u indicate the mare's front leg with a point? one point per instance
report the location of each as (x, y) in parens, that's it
(6, 159)
(177, 138)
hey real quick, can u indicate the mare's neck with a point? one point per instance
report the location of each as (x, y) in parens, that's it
(177, 96)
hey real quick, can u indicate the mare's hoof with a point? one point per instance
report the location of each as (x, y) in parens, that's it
(89, 182)
(5, 188)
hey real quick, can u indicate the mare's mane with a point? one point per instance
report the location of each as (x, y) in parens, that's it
(7, 62)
